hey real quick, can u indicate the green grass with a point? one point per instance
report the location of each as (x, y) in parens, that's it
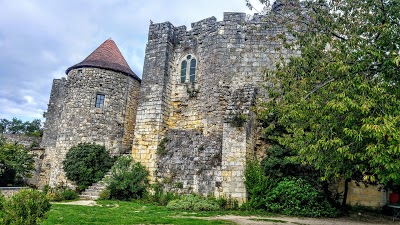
(118, 212)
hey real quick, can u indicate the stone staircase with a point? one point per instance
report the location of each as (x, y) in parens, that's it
(93, 192)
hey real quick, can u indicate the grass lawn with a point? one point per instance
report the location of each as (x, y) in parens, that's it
(118, 212)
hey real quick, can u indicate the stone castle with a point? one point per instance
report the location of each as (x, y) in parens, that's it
(177, 120)
(189, 120)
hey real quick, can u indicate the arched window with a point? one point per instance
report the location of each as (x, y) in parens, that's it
(192, 75)
(183, 71)
(191, 72)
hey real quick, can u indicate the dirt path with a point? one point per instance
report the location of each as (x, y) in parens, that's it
(252, 220)
(79, 202)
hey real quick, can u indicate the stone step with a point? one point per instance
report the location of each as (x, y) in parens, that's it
(96, 188)
(89, 197)
(93, 191)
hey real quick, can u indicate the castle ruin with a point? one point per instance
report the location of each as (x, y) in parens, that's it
(180, 120)
(189, 120)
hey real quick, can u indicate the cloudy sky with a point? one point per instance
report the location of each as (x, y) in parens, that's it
(40, 39)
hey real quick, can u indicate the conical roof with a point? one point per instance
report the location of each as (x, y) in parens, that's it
(106, 56)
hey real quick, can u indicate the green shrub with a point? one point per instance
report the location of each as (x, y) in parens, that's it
(45, 189)
(2, 201)
(54, 196)
(162, 148)
(128, 179)
(226, 203)
(60, 193)
(257, 185)
(86, 164)
(105, 195)
(160, 197)
(193, 202)
(69, 194)
(238, 119)
(299, 198)
(28, 207)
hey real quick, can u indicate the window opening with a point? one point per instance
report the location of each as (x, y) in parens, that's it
(188, 72)
(100, 101)
(192, 76)
(183, 71)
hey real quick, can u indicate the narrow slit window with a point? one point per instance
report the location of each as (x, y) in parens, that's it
(100, 101)
(192, 74)
(183, 71)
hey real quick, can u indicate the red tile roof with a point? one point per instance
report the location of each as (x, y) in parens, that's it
(106, 56)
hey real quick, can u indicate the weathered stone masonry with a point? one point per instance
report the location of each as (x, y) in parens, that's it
(203, 152)
(72, 117)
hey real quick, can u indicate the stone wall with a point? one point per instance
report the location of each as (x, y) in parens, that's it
(51, 126)
(73, 117)
(27, 141)
(189, 162)
(10, 191)
(152, 109)
(32, 143)
(231, 57)
(53, 114)
(360, 194)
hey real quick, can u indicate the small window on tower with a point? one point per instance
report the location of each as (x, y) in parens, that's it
(100, 101)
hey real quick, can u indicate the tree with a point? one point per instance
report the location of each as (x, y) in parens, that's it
(34, 128)
(86, 164)
(337, 104)
(15, 163)
(4, 123)
(16, 126)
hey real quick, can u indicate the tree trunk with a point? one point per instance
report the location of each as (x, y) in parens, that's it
(346, 191)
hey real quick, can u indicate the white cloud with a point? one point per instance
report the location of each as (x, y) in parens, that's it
(40, 39)
(29, 100)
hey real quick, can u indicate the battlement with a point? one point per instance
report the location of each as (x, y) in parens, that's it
(161, 32)
(235, 17)
(166, 31)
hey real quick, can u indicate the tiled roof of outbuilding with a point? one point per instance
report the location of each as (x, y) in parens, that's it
(106, 56)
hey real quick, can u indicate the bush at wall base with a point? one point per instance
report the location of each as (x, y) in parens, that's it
(86, 163)
(27, 207)
(128, 180)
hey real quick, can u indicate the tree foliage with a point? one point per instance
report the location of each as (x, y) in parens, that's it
(86, 164)
(15, 163)
(16, 126)
(337, 104)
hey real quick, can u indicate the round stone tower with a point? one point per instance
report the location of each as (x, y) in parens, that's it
(97, 104)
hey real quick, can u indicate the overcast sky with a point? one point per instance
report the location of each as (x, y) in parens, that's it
(40, 39)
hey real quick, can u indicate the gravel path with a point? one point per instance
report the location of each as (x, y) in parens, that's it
(251, 220)
(79, 202)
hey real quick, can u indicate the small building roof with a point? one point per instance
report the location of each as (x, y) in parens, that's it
(106, 56)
